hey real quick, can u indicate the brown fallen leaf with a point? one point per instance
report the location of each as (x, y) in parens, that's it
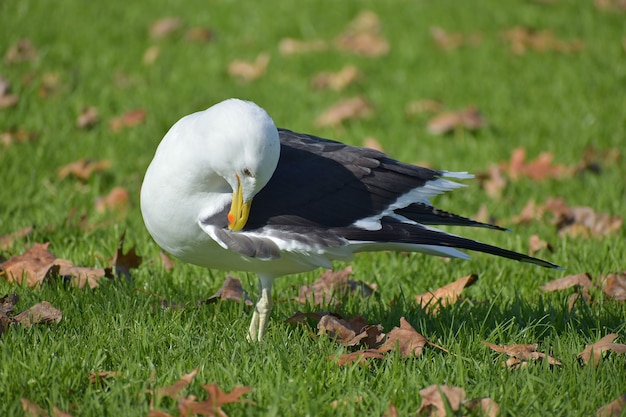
(98, 377)
(249, 71)
(51, 84)
(199, 34)
(117, 201)
(435, 398)
(7, 241)
(362, 36)
(483, 406)
(614, 285)
(577, 280)
(348, 109)
(173, 391)
(129, 119)
(465, 119)
(212, 406)
(7, 99)
(8, 302)
(87, 118)
(16, 136)
(522, 39)
(31, 409)
(602, 345)
(521, 354)
(232, 290)
(21, 51)
(331, 286)
(610, 5)
(299, 317)
(613, 409)
(151, 54)
(452, 40)
(392, 411)
(536, 244)
(493, 181)
(446, 295)
(537, 170)
(33, 265)
(165, 27)
(406, 339)
(581, 220)
(40, 313)
(83, 168)
(360, 355)
(529, 213)
(351, 332)
(290, 46)
(123, 262)
(336, 81)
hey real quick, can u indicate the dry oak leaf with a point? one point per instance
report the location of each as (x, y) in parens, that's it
(452, 40)
(212, 406)
(493, 181)
(249, 71)
(165, 27)
(16, 136)
(129, 119)
(406, 339)
(614, 285)
(31, 409)
(363, 36)
(521, 354)
(87, 118)
(98, 377)
(116, 201)
(602, 345)
(21, 51)
(40, 313)
(581, 220)
(122, 261)
(360, 355)
(351, 332)
(613, 409)
(6, 241)
(577, 280)
(486, 406)
(348, 109)
(331, 286)
(290, 46)
(539, 169)
(521, 39)
(469, 119)
(174, 390)
(33, 265)
(83, 168)
(336, 81)
(232, 290)
(435, 397)
(446, 295)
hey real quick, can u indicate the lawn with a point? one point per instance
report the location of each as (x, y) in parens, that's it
(557, 84)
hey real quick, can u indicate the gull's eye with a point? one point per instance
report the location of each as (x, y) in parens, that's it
(247, 172)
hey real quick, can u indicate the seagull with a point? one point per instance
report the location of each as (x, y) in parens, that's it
(229, 190)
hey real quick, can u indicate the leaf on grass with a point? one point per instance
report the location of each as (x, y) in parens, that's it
(360, 356)
(33, 265)
(290, 46)
(446, 295)
(483, 406)
(40, 313)
(83, 168)
(452, 40)
(249, 70)
(437, 398)
(151, 54)
(299, 317)
(7, 99)
(31, 409)
(577, 280)
(232, 290)
(98, 377)
(21, 51)
(348, 109)
(122, 262)
(465, 119)
(212, 406)
(521, 354)
(614, 408)
(199, 34)
(392, 411)
(593, 352)
(117, 201)
(129, 119)
(539, 169)
(8, 302)
(87, 118)
(331, 286)
(581, 220)
(50, 85)
(7, 241)
(406, 339)
(614, 285)
(174, 391)
(351, 332)
(493, 181)
(610, 5)
(522, 39)
(363, 36)
(16, 136)
(336, 81)
(165, 27)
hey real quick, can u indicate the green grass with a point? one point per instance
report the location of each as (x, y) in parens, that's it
(541, 101)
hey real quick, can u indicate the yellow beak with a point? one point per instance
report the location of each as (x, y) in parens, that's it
(239, 211)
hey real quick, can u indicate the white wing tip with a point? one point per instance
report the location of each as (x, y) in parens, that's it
(460, 175)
